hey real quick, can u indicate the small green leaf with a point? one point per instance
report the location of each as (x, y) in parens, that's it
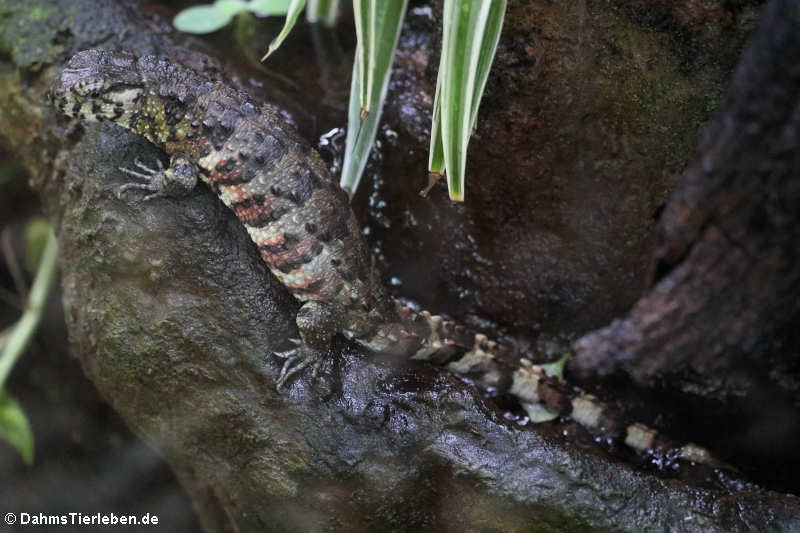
(538, 413)
(208, 18)
(15, 428)
(295, 7)
(201, 19)
(233, 7)
(268, 7)
(556, 368)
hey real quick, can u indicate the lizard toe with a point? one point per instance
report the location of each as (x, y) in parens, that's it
(297, 360)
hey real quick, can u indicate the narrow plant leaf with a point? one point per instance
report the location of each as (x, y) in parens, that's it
(469, 39)
(4, 336)
(436, 150)
(494, 25)
(360, 136)
(370, 70)
(15, 428)
(436, 153)
(436, 162)
(295, 7)
(23, 329)
(448, 80)
(363, 119)
(361, 10)
(458, 86)
(324, 11)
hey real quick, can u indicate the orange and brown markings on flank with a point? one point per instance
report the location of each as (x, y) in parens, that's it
(255, 210)
(290, 250)
(228, 172)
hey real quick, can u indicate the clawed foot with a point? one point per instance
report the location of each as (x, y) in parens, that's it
(154, 180)
(174, 182)
(298, 359)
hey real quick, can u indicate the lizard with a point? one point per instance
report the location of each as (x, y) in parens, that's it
(294, 211)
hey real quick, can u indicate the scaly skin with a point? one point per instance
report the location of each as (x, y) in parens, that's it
(305, 230)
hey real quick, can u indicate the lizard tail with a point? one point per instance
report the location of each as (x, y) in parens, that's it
(544, 397)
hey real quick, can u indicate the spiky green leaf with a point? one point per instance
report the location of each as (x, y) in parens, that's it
(380, 23)
(494, 24)
(471, 29)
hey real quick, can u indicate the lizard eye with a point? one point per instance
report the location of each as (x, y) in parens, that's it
(92, 89)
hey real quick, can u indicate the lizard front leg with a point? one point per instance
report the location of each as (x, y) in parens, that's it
(176, 181)
(317, 323)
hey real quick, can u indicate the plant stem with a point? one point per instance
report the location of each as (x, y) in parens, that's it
(23, 330)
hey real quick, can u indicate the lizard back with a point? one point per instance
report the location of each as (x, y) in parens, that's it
(274, 182)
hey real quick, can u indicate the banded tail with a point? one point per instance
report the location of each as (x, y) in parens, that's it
(544, 397)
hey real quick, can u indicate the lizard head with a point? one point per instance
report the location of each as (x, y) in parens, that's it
(96, 85)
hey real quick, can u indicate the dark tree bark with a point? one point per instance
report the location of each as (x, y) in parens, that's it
(724, 301)
(173, 317)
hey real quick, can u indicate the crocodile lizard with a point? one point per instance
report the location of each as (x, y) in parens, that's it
(305, 230)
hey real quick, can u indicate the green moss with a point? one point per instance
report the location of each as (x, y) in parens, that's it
(39, 13)
(28, 34)
(645, 81)
(20, 118)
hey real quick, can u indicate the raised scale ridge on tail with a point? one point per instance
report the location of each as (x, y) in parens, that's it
(305, 230)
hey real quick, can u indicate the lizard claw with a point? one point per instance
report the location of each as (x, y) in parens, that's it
(148, 169)
(289, 353)
(297, 360)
